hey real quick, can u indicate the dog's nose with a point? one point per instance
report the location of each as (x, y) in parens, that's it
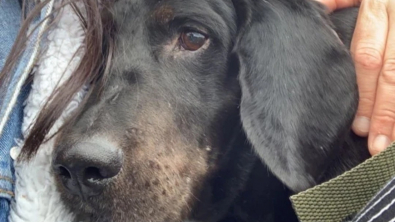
(86, 168)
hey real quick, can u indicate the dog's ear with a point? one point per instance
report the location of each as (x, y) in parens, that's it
(299, 92)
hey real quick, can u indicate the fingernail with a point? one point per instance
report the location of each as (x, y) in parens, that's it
(381, 142)
(361, 125)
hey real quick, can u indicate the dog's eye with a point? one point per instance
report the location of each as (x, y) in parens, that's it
(192, 41)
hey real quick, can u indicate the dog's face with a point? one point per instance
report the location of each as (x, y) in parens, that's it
(164, 113)
(184, 75)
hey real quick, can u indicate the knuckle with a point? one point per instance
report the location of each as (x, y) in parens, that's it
(366, 104)
(385, 116)
(382, 3)
(368, 58)
(388, 71)
(377, 6)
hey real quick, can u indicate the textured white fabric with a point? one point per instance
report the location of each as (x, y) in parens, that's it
(36, 197)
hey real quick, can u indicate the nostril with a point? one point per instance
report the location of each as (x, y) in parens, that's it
(64, 173)
(93, 175)
(67, 178)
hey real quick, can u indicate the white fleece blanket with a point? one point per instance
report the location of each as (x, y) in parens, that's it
(36, 198)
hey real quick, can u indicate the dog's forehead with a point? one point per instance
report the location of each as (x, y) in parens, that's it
(162, 11)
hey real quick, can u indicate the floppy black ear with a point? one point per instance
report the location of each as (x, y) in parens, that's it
(299, 92)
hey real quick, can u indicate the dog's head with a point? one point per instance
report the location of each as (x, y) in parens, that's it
(185, 74)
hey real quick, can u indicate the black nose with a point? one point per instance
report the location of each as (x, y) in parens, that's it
(86, 168)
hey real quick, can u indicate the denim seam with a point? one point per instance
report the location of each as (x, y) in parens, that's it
(7, 192)
(7, 179)
(26, 72)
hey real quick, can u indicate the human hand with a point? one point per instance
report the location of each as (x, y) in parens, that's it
(373, 51)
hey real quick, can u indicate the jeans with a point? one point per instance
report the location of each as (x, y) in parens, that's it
(14, 92)
(10, 17)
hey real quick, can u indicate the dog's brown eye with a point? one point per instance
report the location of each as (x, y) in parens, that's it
(192, 41)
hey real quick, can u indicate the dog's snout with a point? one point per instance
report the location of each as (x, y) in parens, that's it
(86, 168)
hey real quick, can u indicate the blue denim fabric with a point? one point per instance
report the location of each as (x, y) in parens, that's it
(13, 95)
(10, 17)
(11, 131)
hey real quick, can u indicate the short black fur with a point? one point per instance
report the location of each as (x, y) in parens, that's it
(208, 135)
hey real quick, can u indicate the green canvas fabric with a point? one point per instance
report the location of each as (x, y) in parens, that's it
(345, 195)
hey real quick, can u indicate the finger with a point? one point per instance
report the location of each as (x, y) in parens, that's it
(367, 49)
(338, 4)
(383, 118)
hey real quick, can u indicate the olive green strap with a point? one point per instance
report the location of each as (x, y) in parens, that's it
(348, 193)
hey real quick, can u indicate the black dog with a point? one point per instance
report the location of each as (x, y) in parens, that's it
(200, 92)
